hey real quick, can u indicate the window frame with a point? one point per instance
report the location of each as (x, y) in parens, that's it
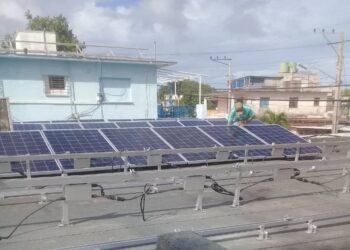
(317, 102)
(264, 100)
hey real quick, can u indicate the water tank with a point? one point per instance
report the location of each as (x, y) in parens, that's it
(292, 67)
(284, 67)
(36, 42)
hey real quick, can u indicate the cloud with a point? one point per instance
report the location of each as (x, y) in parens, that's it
(185, 29)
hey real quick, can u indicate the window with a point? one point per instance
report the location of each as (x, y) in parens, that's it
(116, 89)
(56, 86)
(316, 102)
(293, 102)
(264, 102)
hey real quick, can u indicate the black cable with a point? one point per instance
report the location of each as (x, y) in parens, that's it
(25, 218)
(258, 182)
(146, 190)
(101, 188)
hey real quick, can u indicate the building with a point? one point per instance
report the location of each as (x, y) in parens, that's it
(44, 84)
(296, 93)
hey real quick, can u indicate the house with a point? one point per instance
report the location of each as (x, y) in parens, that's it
(296, 93)
(44, 84)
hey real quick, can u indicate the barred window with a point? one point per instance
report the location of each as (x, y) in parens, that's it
(56, 85)
(57, 82)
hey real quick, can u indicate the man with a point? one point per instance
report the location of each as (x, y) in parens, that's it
(240, 114)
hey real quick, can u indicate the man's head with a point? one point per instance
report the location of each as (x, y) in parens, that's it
(239, 107)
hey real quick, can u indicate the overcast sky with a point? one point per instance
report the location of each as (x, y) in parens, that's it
(257, 35)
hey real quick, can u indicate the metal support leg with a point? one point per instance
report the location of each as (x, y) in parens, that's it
(346, 187)
(28, 172)
(297, 153)
(311, 228)
(199, 203)
(263, 234)
(237, 189)
(65, 214)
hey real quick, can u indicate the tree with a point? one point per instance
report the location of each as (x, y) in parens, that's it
(57, 24)
(275, 118)
(188, 90)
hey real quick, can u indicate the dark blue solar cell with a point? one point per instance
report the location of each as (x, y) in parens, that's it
(62, 126)
(24, 143)
(79, 141)
(235, 136)
(135, 139)
(188, 123)
(26, 126)
(188, 137)
(277, 134)
(133, 124)
(97, 125)
(165, 124)
(220, 121)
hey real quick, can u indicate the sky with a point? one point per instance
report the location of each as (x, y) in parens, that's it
(257, 35)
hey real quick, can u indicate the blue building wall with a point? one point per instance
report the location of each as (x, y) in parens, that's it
(22, 81)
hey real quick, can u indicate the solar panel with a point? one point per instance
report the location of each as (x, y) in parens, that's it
(81, 141)
(277, 134)
(97, 125)
(119, 120)
(23, 143)
(92, 120)
(235, 136)
(147, 119)
(256, 122)
(51, 126)
(133, 124)
(64, 121)
(194, 123)
(188, 137)
(220, 121)
(37, 122)
(26, 126)
(165, 124)
(134, 139)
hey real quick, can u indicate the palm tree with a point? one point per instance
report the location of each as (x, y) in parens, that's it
(275, 118)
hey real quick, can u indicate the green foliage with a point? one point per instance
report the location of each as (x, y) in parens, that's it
(188, 90)
(346, 92)
(57, 24)
(270, 117)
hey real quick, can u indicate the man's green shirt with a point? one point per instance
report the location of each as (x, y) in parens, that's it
(246, 115)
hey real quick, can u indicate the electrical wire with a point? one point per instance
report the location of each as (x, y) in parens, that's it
(146, 190)
(26, 217)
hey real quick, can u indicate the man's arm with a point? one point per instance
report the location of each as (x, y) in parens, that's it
(231, 118)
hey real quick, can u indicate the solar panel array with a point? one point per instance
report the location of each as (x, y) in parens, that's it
(188, 137)
(26, 126)
(277, 134)
(51, 126)
(133, 124)
(135, 139)
(81, 141)
(96, 136)
(24, 143)
(235, 136)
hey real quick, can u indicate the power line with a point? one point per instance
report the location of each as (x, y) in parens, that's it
(247, 50)
(298, 88)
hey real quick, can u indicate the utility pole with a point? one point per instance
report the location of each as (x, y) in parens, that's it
(220, 60)
(338, 79)
(337, 91)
